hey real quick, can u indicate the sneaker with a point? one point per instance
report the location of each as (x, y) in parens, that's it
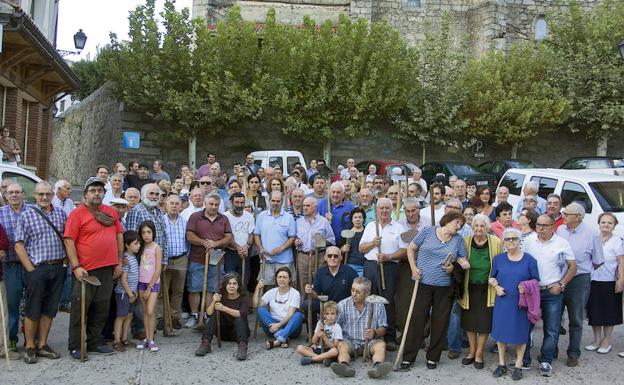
(192, 321)
(185, 315)
(203, 349)
(241, 354)
(380, 370)
(142, 345)
(47, 352)
(75, 354)
(621, 354)
(306, 361)
(342, 369)
(499, 371)
(12, 355)
(102, 349)
(545, 369)
(525, 366)
(152, 346)
(31, 356)
(176, 324)
(516, 374)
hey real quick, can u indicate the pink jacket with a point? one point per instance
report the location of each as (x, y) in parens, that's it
(498, 228)
(530, 300)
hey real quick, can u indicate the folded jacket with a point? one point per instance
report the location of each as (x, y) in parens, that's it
(530, 300)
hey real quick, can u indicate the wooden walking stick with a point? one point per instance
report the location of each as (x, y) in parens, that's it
(262, 273)
(309, 315)
(398, 207)
(372, 300)
(381, 264)
(399, 355)
(347, 235)
(167, 306)
(5, 328)
(217, 311)
(92, 280)
(322, 299)
(202, 309)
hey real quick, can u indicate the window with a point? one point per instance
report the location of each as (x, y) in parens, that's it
(276, 161)
(28, 185)
(513, 182)
(575, 164)
(574, 192)
(546, 186)
(600, 163)
(610, 195)
(486, 167)
(541, 28)
(413, 3)
(499, 168)
(291, 161)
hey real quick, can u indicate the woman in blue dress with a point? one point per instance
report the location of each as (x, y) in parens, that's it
(510, 324)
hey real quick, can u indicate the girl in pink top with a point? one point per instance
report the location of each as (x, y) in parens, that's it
(149, 281)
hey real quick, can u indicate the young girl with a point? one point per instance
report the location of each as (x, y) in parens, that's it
(126, 290)
(329, 333)
(149, 281)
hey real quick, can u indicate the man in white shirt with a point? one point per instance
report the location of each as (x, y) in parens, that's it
(197, 203)
(62, 200)
(242, 224)
(437, 193)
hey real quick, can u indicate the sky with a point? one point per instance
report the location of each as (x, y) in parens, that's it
(97, 18)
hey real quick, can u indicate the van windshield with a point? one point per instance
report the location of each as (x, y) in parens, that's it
(610, 195)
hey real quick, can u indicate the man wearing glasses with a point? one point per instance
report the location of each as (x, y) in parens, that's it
(553, 255)
(250, 165)
(40, 249)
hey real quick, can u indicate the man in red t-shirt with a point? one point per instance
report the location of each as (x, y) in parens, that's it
(94, 243)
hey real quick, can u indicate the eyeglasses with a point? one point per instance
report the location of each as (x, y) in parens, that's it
(569, 214)
(336, 256)
(543, 225)
(205, 183)
(511, 239)
(44, 194)
(453, 207)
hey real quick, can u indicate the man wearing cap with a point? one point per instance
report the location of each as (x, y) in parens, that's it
(141, 179)
(94, 244)
(121, 206)
(39, 246)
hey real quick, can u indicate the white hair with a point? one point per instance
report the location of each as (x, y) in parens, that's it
(147, 187)
(577, 208)
(59, 184)
(483, 218)
(338, 185)
(511, 231)
(533, 185)
(213, 195)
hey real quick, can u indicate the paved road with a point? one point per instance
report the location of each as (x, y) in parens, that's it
(176, 364)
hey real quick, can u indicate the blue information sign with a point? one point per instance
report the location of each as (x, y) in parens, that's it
(131, 139)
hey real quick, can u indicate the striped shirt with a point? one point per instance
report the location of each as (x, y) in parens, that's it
(432, 253)
(41, 241)
(353, 322)
(176, 237)
(586, 245)
(306, 231)
(140, 213)
(132, 270)
(8, 220)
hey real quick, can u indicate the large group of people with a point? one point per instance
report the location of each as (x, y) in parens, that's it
(337, 256)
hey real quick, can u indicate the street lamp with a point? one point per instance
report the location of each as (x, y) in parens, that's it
(80, 39)
(621, 48)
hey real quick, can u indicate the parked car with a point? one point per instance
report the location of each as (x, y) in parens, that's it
(597, 192)
(25, 178)
(596, 164)
(285, 159)
(384, 166)
(498, 167)
(461, 170)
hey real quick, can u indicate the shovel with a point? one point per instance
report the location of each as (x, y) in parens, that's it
(322, 299)
(373, 300)
(399, 355)
(4, 331)
(212, 258)
(255, 333)
(347, 234)
(409, 235)
(84, 280)
(168, 331)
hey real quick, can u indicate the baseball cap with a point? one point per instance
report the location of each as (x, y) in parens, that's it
(118, 201)
(93, 181)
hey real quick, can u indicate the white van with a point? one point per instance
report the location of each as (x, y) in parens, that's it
(285, 159)
(598, 192)
(25, 178)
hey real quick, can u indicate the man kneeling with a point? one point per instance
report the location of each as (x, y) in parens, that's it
(353, 315)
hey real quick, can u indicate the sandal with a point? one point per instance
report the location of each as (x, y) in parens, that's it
(119, 347)
(128, 344)
(284, 345)
(270, 344)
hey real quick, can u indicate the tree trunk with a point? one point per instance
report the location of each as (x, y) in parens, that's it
(424, 154)
(192, 154)
(327, 153)
(601, 149)
(514, 151)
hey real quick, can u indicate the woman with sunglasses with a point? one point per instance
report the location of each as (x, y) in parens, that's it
(233, 306)
(510, 323)
(278, 310)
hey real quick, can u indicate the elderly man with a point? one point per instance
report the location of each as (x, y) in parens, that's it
(365, 197)
(588, 253)
(174, 276)
(94, 245)
(504, 219)
(531, 188)
(242, 224)
(62, 193)
(353, 318)
(206, 230)
(307, 226)
(11, 266)
(388, 249)
(204, 169)
(296, 203)
(197, 203)
(553, 208)
(556, 266)
(275, 234)
(502, 195)
(250, 165)
(339, 211)
(460, 192)
(207, 184)
(148, 210)
(417, 178)
(141, 178)
(158, 173)
(379, 186)
(39, 246)
(437, 193)
(121, 206)
(372, 172)
(319, 189)
(133, 196)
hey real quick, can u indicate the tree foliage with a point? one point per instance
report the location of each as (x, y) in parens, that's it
(92, 73)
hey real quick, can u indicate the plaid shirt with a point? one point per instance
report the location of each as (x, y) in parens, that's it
(8, 220)
(176, 237)
(140, 213)
(41, 241)
(354, 323)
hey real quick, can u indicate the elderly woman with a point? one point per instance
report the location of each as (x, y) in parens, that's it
(468, 212)
(115, 190)
(604, 307)
(527, 223)
(232, 305)
(484, 193)
(435, 248)
(510, 323)
(278, 310)
(478, 299)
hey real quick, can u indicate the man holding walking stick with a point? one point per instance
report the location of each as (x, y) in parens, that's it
(242, 224)
(94, 245)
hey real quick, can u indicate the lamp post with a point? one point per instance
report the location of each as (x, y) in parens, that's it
(80, 39)
(621, 49)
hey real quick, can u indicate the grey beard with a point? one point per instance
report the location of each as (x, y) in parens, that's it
(149, 203)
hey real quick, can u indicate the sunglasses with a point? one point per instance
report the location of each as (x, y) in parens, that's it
(544, 225)
(205, 183)
(511, 239)
(336, 256)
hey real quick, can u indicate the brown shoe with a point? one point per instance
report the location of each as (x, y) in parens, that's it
(572, 362)
(452, 354)
(119, 347)
(241, 355)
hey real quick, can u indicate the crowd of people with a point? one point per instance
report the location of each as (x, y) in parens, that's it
(365, 262)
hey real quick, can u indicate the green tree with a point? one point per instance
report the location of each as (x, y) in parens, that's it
(589, 70)
(508, 97)
(92, 73)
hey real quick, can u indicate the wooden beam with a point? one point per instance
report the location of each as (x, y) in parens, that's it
(17, 58)
(36, 75)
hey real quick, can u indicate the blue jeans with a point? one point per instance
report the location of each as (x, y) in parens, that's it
(551, 316)
(455, 335)
(292, 329)
(359, 269)
(575, 298)
(67, 286)
(14, 287)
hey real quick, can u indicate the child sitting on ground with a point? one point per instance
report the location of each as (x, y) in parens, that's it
(325, 340)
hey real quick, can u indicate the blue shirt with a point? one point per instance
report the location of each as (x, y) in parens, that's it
(306, 231)
(540, 208)
(370, 215)
(586, 245)
(336, 287)
(140, 213)
(8, 219)
(132, 271)
(274, 232)
(432, 253)
(41, 241)
(340, 217)
(176, 237)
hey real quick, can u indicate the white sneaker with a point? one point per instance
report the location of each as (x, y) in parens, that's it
(621, 354)
(192, 321)
(185, 315)
(545, 369)
(142, 345)
(591, 348)
(604, 350)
